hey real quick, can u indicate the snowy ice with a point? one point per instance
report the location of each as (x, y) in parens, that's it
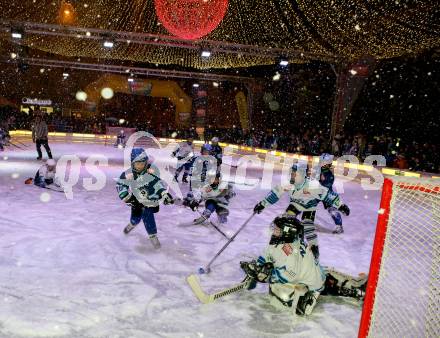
(65, 274)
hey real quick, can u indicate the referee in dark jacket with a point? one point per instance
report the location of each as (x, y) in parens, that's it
(39, 136)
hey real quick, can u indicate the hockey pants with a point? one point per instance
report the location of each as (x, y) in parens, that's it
(145, 214)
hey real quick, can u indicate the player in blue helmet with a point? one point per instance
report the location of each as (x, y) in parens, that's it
(327, 178)
(217, 152)
(142, 189)
(206, 149)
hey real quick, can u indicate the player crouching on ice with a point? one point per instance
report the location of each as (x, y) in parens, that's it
(295, 277)
(142, 189)
(305, 194)
(46, 176)
(216, 197)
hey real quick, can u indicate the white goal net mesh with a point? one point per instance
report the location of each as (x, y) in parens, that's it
(408, 288)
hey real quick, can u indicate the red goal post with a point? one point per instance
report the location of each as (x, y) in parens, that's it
(403, 291)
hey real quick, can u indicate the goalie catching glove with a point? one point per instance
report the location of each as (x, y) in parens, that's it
(258, 272)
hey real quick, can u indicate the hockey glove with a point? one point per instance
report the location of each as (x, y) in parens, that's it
(193, 205)
(260, 273)
(168, 199)
(259, 208)
(344, 209)
(131, 201)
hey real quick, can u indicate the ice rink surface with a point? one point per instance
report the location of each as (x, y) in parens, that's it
(67, 270)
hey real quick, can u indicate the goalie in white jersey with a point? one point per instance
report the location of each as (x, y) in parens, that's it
(295, 277)
(304, 194)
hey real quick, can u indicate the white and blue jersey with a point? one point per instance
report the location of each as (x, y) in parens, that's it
(45, 177)
(219, 195)
(304, 196)
(184, 151)
(203, 169)
(146, 186)
(294, 263)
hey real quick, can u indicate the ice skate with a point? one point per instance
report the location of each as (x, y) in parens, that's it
(128, 228)
(155, 241)
(338, 229)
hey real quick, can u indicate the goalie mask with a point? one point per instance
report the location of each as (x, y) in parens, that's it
(286, 229)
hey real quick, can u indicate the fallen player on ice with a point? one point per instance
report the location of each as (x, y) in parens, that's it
(46, 177)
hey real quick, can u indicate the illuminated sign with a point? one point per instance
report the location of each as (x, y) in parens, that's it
(36, 102)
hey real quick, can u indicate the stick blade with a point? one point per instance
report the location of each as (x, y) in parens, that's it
(195, 287)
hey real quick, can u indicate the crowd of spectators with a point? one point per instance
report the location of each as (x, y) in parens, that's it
(399, 153)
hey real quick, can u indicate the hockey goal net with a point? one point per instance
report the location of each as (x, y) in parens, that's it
(402, 298)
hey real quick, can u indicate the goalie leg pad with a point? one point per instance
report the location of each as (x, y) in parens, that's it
(307, 303)
(340, 284)
(286, 295)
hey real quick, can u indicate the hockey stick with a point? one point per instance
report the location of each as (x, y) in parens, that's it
(179, 202)
(219, 230)
(207, 269)
(215, 226)
(13, 144)
(26, 145)
(231, 165)
(246, 184)
(209, 298)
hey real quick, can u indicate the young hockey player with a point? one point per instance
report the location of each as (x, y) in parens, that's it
(185, 156)
(2, 139)
(216, 198)
(327, 178)
(305, 194)
(120, 139)
(217, 152)
(203, 169)
(142, 189)
(45, 176)
(295, 277)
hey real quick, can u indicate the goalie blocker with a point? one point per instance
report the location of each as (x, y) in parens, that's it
(295, 277)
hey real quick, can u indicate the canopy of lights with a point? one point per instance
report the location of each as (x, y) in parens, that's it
(207, 34)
